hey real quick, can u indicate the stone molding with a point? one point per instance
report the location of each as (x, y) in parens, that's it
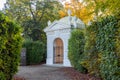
(58, 31)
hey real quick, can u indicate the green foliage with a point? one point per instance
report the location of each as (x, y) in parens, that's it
(90, 60)
(106, 45)
(10, 46)
(76, 49)
(102, 48)
(36, 51)
(33, 15)
(2, 76)
(113, 6)
(101, 8)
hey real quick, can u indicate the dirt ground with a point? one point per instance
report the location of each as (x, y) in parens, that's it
(43, 72)
(40, 72)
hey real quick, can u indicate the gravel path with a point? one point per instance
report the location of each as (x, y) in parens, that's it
(41, 72)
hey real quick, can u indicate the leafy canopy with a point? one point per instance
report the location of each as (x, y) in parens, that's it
(33, 15)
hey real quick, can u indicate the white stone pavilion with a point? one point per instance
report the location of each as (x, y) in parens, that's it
(58, 34)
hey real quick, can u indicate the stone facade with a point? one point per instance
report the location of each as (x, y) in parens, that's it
(60, 29)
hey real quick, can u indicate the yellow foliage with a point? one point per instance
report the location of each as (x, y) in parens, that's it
(62, 13)
(78, 9)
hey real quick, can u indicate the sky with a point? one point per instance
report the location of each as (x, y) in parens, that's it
(2, 3)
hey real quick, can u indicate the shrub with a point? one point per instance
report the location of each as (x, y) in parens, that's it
(106, 45)
(76, 49)
(2, 76)
(91, 58)
(102, 48)
(36, 51)
(10, 46)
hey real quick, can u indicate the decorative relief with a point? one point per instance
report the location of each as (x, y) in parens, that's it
(59, 31)
(64, 30)
(50, 33)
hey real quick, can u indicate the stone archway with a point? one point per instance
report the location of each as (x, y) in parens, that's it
(58, 51)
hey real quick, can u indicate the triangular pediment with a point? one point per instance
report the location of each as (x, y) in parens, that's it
(56, 26)
(65, 23)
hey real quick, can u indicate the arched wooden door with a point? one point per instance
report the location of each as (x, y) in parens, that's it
(58, 51)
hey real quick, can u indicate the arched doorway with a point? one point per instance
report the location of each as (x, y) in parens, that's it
(58, 51)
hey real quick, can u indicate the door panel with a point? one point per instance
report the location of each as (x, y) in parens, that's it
(58, 51)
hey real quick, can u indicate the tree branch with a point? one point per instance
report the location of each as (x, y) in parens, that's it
(33, 16)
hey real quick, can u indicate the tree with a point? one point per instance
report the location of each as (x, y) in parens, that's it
(33, 15)
(78, 9)
(103, 7)
(113, 6)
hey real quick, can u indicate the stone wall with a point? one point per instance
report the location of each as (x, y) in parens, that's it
(23, 57)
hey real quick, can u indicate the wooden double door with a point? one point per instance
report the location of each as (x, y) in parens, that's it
(58, 51)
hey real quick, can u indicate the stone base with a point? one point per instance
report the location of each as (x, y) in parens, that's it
(49, 61)
(67, 63)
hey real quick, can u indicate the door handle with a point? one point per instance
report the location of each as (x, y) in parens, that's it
(58, 55)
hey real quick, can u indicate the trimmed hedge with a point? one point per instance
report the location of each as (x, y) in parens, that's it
(102, 48)
(76, 49)
(90, 57)
(10, 47)
(36, 52)
(106, 45)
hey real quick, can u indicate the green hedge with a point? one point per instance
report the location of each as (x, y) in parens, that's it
(2, 75)
(10, 46)
(76, 49)
(36, 52)
(106, 45)
(102, 48)
(91, 58)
